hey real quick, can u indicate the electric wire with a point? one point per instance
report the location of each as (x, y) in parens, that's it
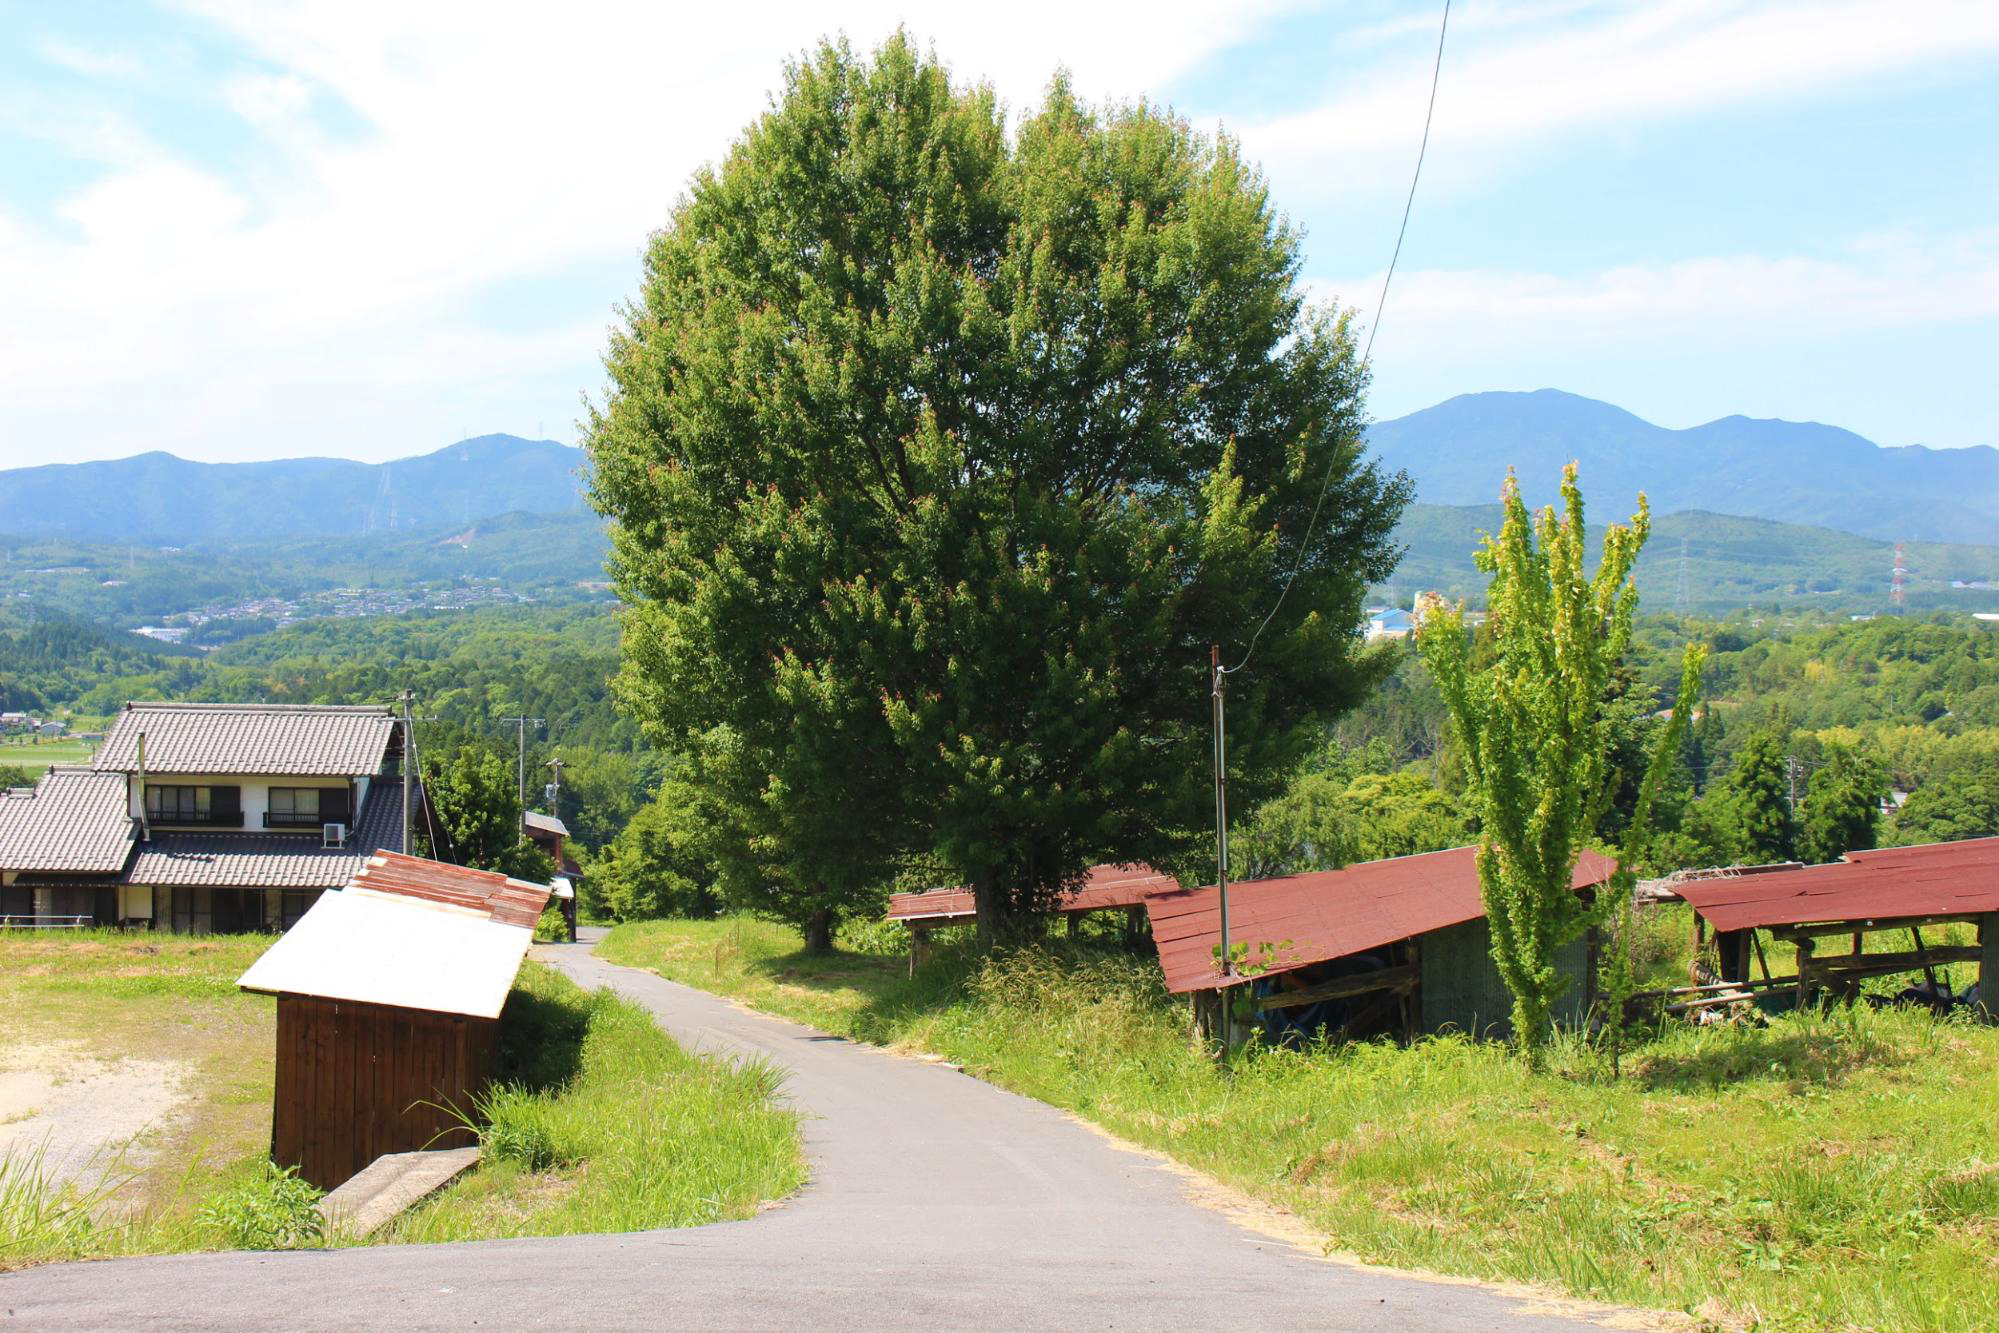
(1367, 354)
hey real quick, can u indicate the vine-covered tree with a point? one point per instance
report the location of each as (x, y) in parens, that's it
(1536, 733)
(936, 457)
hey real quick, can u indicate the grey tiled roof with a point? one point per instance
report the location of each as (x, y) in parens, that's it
(271, 860)
(308, 740)
(542, 823)
(76, 821)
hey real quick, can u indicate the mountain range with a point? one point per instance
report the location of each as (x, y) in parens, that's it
(158, 499)
(1457, 452)
(1792, 471)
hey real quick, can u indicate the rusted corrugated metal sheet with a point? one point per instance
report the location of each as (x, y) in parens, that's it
(511, 902)
(1935, 879)
(1106, 886)
(1303, 919)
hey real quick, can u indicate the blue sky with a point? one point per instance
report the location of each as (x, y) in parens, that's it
(238, 229)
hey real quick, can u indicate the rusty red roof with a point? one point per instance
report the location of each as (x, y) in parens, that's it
(1303, 919)
(1933, 879)
(511, 902)
(1105, 886)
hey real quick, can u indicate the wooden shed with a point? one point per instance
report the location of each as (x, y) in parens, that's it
(1895, 892)
(390, 992)
(1399, 945)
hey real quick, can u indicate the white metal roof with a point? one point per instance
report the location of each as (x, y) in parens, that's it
(388, 948)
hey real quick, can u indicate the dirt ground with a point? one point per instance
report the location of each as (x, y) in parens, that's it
(85, 1117)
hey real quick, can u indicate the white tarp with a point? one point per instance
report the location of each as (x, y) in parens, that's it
(387, 948)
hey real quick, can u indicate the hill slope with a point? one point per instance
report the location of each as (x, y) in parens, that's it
(160, 499)
(1795, 472)
(1702, 562)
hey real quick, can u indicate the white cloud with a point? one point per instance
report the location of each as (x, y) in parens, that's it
(1513, 82)
(1881, 282)
(89, 62)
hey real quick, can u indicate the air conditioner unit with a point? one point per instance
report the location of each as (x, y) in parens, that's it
(333, 835)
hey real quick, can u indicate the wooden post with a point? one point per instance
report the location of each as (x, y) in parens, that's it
(1733, 946)
(1805, 946)
(919, 947)
(1988, 965)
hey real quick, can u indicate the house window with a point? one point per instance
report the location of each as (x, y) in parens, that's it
(217, 807)
(294, 807)
(179, 805)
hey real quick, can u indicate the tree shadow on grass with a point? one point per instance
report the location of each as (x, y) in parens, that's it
(1725, 1056)
(541, 1038)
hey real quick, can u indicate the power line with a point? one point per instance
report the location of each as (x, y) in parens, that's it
(1367, 354)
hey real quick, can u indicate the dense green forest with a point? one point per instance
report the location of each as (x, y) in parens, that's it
(1803, 719)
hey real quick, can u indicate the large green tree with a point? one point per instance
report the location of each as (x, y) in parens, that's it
(939, 451)
(1533, 715)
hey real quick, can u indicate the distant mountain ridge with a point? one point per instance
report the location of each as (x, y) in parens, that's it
(1794, 472)
(158, 499)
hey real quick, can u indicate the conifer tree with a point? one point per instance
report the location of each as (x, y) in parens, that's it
(1842, 805)
(1753, 806)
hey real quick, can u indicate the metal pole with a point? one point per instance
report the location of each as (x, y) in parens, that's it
(409, 752)
(1221, 811)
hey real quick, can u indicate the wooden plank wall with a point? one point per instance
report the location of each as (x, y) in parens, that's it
(1462, 988)
(355, 1081)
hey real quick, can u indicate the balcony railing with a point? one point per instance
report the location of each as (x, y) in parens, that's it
(278, 819)
(197, 819)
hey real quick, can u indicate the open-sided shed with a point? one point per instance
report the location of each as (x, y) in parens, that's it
(1891, 889)
(1104, 888)
(1409, 934)
(389, 998)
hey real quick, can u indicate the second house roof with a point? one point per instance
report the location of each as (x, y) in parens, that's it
(279, 739)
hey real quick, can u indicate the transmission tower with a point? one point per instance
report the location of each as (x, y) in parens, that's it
(1898, 579)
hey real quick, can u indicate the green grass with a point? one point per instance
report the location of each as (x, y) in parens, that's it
(608, 1125)
(36, 756)
(1829, 1170)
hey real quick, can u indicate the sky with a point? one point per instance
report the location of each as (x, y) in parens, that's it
(244, 229)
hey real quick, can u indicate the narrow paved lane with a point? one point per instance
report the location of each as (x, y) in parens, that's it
(936, 1201)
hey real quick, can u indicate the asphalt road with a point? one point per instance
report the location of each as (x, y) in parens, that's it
(936, 1201)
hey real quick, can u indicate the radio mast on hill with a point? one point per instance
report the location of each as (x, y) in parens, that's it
(1898, 579)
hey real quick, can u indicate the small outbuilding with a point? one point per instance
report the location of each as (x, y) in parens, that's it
(1394, 946)
(1895, 891)
(390, 992)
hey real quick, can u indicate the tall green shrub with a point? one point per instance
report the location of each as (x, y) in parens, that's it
(1536, 734)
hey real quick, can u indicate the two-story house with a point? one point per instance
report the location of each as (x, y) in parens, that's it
(206, 817)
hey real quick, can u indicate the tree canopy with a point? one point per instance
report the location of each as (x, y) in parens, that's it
(937, 455)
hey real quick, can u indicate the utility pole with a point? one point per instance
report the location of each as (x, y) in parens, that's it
(409, 758)
(521, 765)
(1219, 679)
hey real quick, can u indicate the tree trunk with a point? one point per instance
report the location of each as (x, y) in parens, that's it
(819, 931)
(994, 911)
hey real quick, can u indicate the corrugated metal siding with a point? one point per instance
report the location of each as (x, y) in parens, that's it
(1462, 988)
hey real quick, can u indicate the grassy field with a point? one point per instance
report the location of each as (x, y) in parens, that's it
(604, 1124)
(117, 1002)
(607, 1125)
(35, 756)
(1829, 1170)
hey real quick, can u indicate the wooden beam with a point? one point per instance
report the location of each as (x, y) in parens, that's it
(1867, 924)
(1856, 964)
(1387, 978)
